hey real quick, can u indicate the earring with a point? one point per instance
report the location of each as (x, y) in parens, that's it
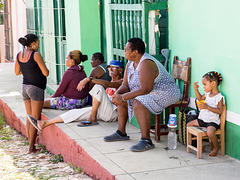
(33, 47)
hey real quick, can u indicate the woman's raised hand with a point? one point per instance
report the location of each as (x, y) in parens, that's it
(82, 84)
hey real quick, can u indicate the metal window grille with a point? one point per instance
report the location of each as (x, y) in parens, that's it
(137, 18)
(46, 18)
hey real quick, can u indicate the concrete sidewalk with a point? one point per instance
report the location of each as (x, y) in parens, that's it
(85, 146)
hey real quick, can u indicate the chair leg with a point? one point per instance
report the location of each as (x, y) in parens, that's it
(172, 110)
(157, 127)
(222, 139)
(189, 141)
(199, 145)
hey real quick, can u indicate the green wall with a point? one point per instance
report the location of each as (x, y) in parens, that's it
(209, 34)
(83, 28)
(72, 19)
(232, 140)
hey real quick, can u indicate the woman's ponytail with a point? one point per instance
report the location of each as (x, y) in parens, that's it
(77, 56)
(83, 57)
(28, 39)
(23, 41)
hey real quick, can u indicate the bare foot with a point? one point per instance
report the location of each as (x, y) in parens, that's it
(214, 152)
(41, 124)
(93, 120)
(32, 150)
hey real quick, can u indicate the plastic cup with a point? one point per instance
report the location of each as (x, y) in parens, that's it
(200, 102)
(172, 120)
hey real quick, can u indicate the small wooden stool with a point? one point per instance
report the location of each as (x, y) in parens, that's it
(201, 133)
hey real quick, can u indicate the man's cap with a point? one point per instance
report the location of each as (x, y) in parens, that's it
(115, 63)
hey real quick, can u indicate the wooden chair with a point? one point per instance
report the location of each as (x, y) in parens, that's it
(200, 133)
(181, 71)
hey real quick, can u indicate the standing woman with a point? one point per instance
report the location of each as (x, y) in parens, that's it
(30, 64)
(67, 96)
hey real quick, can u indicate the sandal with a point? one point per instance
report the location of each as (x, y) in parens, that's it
(33, 121)
(143, 145)
(87, 123)
(116, 137)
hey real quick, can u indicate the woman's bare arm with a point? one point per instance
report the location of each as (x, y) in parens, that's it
(97, 72)
(38, 58)
(102, 82)
(17, 68)
(148, 71)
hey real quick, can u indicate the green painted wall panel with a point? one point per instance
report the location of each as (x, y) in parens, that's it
(90, 29)
(83, 28)
(209, 34)
(232, 142)
(72, 25)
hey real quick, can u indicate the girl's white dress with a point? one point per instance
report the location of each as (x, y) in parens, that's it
(208, 116)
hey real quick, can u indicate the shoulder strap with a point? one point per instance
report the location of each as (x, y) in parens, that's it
(29, 55)
(18, 56)
(101, 66)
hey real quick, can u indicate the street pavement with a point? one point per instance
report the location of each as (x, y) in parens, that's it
(116, 157)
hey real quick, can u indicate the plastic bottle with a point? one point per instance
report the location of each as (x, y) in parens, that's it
(172, 138)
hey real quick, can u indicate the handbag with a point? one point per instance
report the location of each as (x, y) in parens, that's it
(185, 115)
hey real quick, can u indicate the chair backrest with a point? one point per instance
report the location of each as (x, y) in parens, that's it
(181, 70)
(223, 119)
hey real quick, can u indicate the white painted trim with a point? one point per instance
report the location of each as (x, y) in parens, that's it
(230, 116)
(233, 118)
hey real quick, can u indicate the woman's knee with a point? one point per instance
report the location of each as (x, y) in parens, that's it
(137, 105)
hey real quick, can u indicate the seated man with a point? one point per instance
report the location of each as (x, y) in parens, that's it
(102, 106)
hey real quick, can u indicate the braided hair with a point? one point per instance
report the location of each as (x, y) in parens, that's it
(213, 76)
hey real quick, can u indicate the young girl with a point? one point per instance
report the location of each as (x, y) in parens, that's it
(211, 109)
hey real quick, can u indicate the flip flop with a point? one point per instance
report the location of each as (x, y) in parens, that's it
(84, 121)
(33, 121)
(87, 123)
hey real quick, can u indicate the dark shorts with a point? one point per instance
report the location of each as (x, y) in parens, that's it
(204, 124)
(32, 92)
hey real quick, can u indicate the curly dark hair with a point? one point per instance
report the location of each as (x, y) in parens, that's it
(99, 56)
(213, 76)
(137, 44)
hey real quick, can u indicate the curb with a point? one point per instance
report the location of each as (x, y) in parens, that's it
(57, 142)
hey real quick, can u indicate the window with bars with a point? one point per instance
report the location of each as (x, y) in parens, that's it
(137, 18)
(46, 18)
